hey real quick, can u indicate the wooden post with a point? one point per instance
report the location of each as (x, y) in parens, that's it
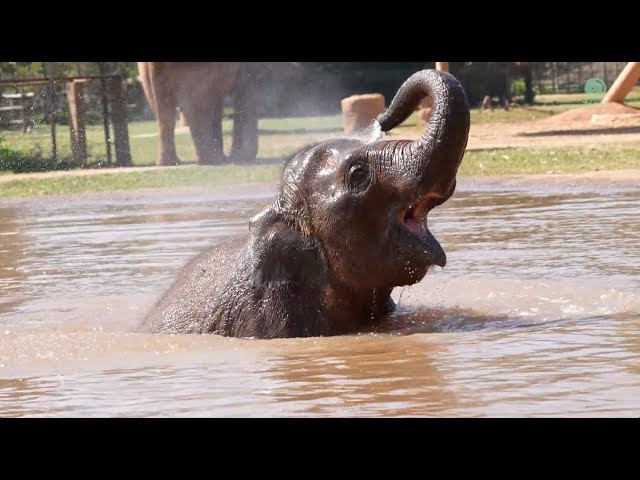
(23, 117)
(105, 118)
(52, 108)
(580, 75)
(77, 127)
(442, 66)
(27, 111)
(119, 121)
(623, 84)
(528, 85)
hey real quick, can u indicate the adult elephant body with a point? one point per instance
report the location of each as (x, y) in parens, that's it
(199, 89)
(348, 225)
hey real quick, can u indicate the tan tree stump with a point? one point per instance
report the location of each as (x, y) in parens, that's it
(359, 111)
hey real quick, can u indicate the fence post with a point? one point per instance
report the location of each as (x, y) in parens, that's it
(23, 117)
(119, 122)
(105, 118)
(52, 108)
(528, 85)
(77, 126)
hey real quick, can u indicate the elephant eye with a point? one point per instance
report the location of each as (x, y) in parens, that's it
(358, 178)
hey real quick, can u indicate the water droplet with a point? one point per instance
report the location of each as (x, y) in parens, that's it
(370, 134)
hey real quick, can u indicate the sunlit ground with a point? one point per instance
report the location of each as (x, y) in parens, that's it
(280, 137)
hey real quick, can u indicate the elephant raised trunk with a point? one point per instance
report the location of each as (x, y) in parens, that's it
(439, 151)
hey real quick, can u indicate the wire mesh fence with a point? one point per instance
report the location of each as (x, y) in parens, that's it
(48, 122)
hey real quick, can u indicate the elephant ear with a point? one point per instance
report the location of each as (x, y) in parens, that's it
(283, 253)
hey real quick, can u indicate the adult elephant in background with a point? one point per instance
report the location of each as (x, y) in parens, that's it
(199, 89)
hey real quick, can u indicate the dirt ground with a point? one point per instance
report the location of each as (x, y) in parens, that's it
(615, 123)
(571, 128)
(535, 134)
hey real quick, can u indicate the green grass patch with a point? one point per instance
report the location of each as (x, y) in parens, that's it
(493, 162)
(279, 137)
(551, 160)
(186, 176)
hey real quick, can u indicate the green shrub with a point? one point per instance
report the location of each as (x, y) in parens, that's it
(31, 161)
(518, 87)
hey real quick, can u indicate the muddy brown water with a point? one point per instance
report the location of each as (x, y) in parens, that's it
(536, 314)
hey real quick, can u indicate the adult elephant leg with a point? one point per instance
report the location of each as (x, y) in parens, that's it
(166, 113)
(161, 97)
(218, 136)
(245, 121)
(205, 122)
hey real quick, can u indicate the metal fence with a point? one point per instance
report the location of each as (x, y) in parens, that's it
(570, 77)
(74, 102)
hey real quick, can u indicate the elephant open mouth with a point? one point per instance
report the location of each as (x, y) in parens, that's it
(413, 220)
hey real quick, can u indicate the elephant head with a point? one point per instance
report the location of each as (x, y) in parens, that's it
(364, 204)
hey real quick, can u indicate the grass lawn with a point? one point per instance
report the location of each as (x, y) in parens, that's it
(514, 161)
(493, 162)
(279, 137)
(187, 176)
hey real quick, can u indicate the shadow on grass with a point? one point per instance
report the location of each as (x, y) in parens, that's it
(590, 131)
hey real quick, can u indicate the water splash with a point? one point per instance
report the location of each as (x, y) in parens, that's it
(402, 290)
(369, 134)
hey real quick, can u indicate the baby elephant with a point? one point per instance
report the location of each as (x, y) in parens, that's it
(348, 225)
